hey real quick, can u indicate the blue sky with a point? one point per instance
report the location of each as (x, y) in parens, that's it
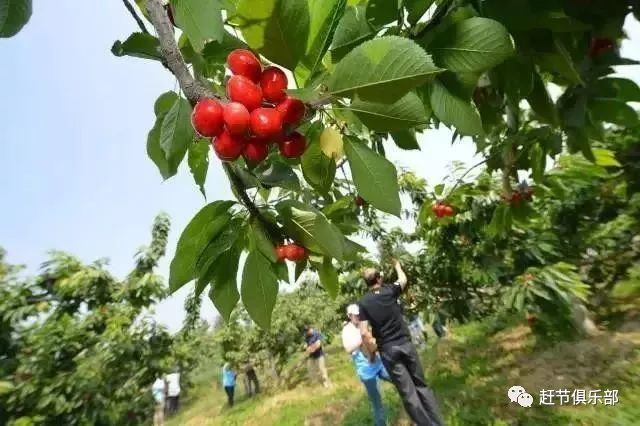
(74, 174)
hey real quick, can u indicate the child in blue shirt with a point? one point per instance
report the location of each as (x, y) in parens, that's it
(229, 382)
(369, 372)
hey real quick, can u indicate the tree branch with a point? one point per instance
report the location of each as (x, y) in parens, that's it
(192, 88)
(195, 90)
(133, 13)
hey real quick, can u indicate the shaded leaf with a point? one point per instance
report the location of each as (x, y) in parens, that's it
(278, 173)
(405, 113)
(381, 12)
(176, 133)
(318, 170)
(328, 277)
(541, 103)
(224, 288)
(352, 30)
(405, 139)
(454, 111)
(14, 15)
(201, 20)
(325, 16)
(278, 29)
(311, 228)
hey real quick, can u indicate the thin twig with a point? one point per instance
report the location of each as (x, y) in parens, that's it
(459, 180)
(133, 13)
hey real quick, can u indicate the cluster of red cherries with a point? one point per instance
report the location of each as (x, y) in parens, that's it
(259, 112)
(441, 209)
(291, 251)
(519, 195)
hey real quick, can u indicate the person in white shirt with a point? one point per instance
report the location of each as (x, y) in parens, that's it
(159, 391)
(173, 391)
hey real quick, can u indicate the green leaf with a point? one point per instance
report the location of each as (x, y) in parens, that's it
(278, 29)
(605, 158)
(620, 89)
(259, 289)
(278, 173)
(374, 176)
(311, 228)
(381, 12)
(176, 133)
(351, 250)
(262, 241)
(306, 95)
(138, 45)
(405, 139)
(515, 77)
(456, 112)
(318, 170)
(198, 160)
(416, 9)
(164, 103)
(201, 20)
(328, 277)
(560, 62)
(14, 14)
(217, 247)
(324, 19)
(216, 52)
(405, 113)
(613, 111)
(473, 45)
(538, 162)
(541, 103)
(201, 230)
(353, 29)
(438, 189)
(156, 154)
(224, 289)
(382, 70)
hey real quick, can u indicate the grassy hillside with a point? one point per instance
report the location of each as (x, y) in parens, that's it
(470, 372)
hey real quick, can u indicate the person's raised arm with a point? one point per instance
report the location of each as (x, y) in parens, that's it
(402, 277)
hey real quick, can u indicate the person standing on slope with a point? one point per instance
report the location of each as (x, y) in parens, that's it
(316, 361)
(368, 371)
(173, 391)
(379, 309)
(229, 382)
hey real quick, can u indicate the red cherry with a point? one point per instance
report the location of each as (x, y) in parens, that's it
(255, 151)
(292, 110)
(207, 117)
(266, 122)
(273, 82)
(447, 210)
(360, 201)
(439, 210)
(293, 146)
(599, 46)
(228, 147)
(236, 118)
(243, 62)
(516, 197)
(294, 252)
(281, 253)
(241, 89)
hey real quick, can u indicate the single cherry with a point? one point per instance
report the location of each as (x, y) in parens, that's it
(244, 62)
(242, 90)
(360, 201)
(254, 151)
(295, 253)
(207, 117)
(447, 210)
(281, 253)
(236, 118)
(266, 123)
(293, 146)
(291, 109)
(228, 147)
(273, 83)
(599, 46)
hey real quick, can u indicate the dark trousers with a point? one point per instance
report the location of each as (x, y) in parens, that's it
(253, 387)
(403, 365)
(172, 404)
(229, 390)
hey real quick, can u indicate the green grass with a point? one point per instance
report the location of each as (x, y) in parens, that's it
(470, 372)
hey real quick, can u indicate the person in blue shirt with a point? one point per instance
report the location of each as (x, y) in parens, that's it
(316, 360)
(369, 371)
(229, 382)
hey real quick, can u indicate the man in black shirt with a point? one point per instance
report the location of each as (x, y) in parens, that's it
(379, 309)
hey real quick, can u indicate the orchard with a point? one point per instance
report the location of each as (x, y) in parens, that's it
(302, 104)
